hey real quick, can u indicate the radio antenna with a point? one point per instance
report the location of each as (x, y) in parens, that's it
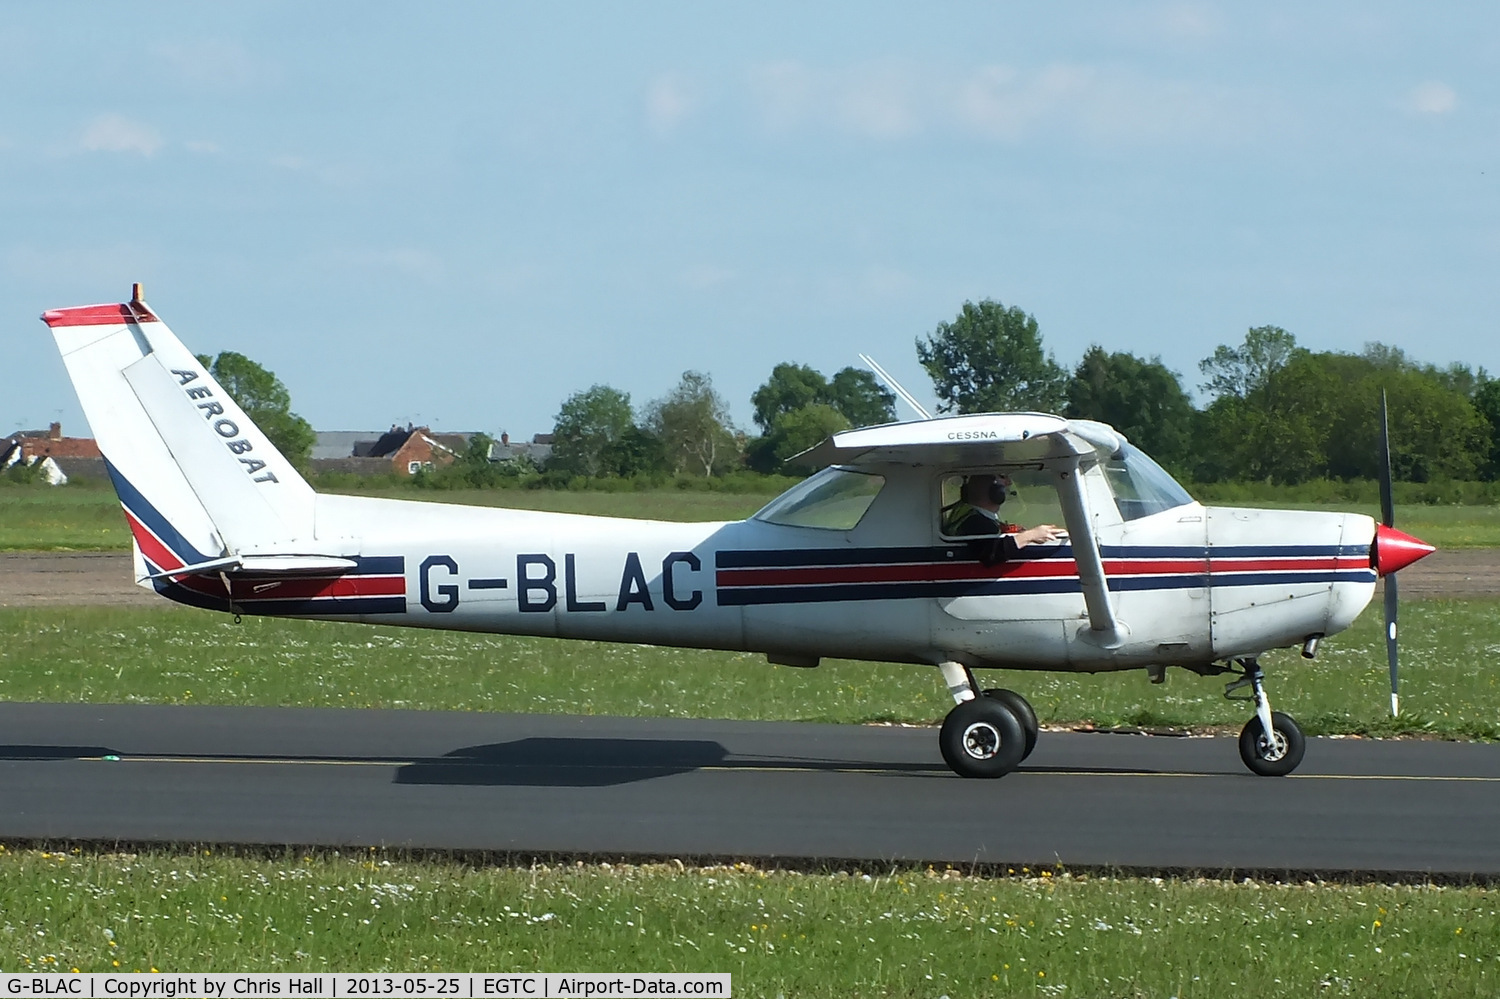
(895, 386)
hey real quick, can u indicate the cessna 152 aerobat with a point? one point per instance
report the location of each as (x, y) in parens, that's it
(851, 563)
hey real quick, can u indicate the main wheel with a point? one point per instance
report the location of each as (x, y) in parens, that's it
(1023, 712)
(1278, 755)
(982, 738)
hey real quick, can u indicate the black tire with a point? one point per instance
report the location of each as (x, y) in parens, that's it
(1265, 759)
(1022, 710)
(982, 738)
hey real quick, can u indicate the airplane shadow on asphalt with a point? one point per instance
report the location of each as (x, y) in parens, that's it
(543, 762)
(547, 762)
(581, 762)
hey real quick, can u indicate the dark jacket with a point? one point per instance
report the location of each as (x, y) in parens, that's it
(962, 520)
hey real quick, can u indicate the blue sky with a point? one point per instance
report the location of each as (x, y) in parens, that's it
(459, 214)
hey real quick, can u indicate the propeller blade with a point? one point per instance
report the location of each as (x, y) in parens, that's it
(1387, 504)
(1390, 639)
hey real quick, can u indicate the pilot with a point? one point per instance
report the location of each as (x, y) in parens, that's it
(976, 517)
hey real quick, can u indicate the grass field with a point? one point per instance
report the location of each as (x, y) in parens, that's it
(37, 518)
(876, 932)
(872, 932)
(175, 655)
(88, 517)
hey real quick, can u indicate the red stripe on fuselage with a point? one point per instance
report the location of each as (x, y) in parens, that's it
(1031, 569)
(248, 591)
(1321, 563)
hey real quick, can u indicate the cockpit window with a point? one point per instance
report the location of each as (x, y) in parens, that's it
(1141, 486)
(835, 499)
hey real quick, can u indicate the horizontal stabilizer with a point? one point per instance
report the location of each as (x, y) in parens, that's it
(264, 565)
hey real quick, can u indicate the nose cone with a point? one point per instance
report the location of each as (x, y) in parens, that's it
(1395, 550)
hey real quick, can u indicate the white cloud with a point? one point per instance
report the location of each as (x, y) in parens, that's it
(997, 101)
(878, 102)
(1430, 97)
(114, 133)
(668, 103)
(881, 104)
(1000, 103)
(1099, 104)
(326, 173)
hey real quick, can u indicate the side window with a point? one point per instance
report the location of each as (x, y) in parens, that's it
(1030, 499)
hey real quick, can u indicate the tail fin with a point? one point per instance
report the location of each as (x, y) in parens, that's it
(200, 482)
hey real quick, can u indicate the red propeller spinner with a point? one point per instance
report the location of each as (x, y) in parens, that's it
(1395, 550)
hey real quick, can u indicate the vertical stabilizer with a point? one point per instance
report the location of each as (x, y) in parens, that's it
(198, 480)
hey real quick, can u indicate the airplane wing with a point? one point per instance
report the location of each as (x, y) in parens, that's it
(982, 439)
(997, 440)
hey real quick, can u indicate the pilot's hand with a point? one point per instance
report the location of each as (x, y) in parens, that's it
(1044, 534)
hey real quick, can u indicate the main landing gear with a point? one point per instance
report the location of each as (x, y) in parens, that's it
(987, 734)
(1271, 744)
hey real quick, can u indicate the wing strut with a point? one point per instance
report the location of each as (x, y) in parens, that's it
(1091, 576)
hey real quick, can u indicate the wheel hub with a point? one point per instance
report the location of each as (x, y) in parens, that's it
(1271, 749)
(981, 740)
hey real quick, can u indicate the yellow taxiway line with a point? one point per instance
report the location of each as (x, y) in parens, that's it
(733, 768)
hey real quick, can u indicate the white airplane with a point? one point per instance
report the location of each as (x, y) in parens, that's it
(851, 563)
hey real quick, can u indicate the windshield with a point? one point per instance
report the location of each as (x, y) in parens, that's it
(835, 499)
(1141, 486)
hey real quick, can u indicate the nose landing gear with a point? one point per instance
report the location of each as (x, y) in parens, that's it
(1271, 744)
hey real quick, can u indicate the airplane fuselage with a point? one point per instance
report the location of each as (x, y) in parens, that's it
(1191, 585)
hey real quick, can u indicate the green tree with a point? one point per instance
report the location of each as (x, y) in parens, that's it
(864, 402)
(1277, 433)
(1487, 404)
(1142, 399)
(637, 452)
(792, 433)
(790, 387)
(692, 422)
(588, 426)
(1311, 415)
(1239, 371)
(990, 359)
(470, 468)
(1436, 430)
(266, 401)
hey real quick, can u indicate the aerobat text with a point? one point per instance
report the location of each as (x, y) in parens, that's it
(226, 428)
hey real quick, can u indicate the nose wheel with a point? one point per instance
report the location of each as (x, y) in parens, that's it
(1277, 755)
(1271, 744)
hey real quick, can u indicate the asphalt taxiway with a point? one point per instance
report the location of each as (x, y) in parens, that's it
(537, 784)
